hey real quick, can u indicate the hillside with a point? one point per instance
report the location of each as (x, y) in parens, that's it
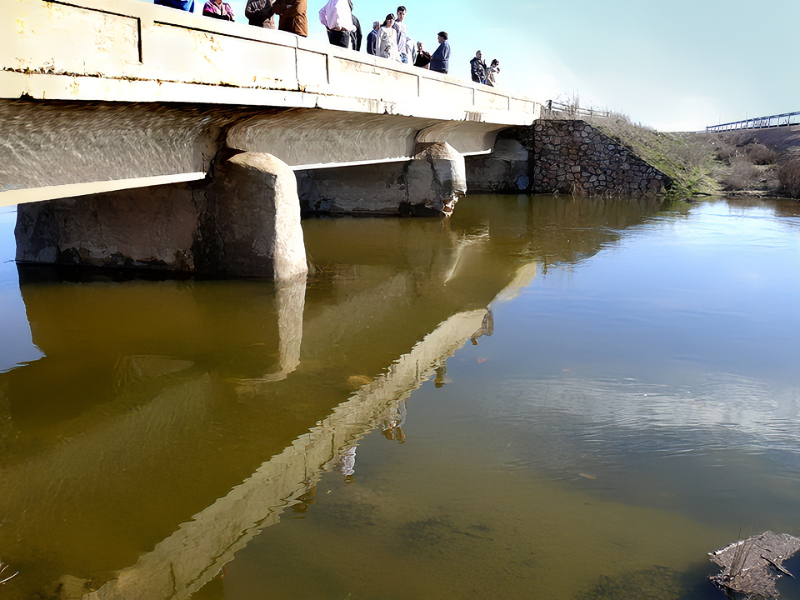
(762, 162)
(688, 158)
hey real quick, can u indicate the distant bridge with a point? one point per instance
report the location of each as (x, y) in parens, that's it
(781, 120)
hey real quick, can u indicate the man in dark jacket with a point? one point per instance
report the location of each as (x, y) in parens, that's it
(478, 68)
(260, 14)
(355, 36)
(440, 60)
(372, 39)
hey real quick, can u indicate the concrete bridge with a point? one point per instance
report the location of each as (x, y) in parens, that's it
(99, 97)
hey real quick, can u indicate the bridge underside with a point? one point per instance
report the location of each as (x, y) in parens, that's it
(64, 149)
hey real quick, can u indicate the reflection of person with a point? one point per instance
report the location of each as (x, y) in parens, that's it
(387, 40)
(439, 381)
(259, 13)
(187, 5)
(347, 464)
(218, 10)
(306, 500)
(292, 16)
(392, 427)
(440, 60)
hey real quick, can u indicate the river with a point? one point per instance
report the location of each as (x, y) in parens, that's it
(541, 397)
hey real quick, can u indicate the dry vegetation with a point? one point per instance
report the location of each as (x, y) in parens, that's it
(710, 163)
(689, 159)
(789, 178)
(747, 164)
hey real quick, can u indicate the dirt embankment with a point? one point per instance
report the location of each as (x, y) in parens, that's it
(784, 140)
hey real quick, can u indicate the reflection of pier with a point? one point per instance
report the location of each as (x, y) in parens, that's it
(189, 558)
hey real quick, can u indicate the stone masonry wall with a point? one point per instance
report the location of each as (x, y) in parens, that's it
(574, 157)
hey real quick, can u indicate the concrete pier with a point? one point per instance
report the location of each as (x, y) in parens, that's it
(244, 222)
(428, 185)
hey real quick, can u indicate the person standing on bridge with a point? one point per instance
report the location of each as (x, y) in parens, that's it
(402, 35)
(356, 36)
(218, 9)
(338, 20)
(440, 60)
(491, 72)
(187, 5)
(292, 16)
(423, 58)
(259, 13)
(478, 68)
(387, 40)
(372, 39)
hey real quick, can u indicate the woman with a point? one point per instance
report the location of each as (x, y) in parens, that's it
(218, 10)
(387, 40)
(440, 60)
(492, 71)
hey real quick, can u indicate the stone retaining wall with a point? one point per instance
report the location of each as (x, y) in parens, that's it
(562, 156)
(574, 157)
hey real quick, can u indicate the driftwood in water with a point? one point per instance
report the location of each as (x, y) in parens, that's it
(751, 567)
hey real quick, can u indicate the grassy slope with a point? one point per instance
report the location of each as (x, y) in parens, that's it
(688, 158)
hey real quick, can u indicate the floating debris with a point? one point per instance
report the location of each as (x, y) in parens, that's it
(3, 576)
(751, 567)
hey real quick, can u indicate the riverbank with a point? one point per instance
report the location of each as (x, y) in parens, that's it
(751, 163)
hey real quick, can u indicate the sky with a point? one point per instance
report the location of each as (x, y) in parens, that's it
(676, 65)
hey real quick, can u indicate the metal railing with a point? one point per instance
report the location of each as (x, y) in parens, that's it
(781, 120)
(574, 111)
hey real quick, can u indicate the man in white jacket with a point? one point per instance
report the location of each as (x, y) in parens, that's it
(338, 20)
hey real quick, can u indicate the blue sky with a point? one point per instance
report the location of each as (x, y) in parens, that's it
(677, 65)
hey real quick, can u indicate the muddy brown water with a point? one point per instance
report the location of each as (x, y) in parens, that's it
(540, 397)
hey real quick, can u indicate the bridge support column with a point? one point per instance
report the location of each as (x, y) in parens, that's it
(428, 185)
(244, 223)
(251, 225)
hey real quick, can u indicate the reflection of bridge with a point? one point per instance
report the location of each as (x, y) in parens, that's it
(782, 120)
(152, 404)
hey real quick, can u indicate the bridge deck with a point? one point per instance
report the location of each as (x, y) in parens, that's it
(202, 80)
